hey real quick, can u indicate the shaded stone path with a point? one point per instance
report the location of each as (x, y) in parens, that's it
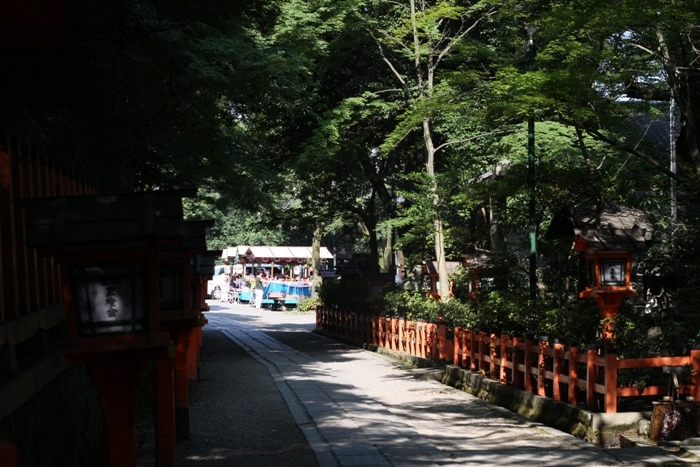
(357, 408)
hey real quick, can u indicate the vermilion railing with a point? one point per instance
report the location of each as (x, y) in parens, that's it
(28, 282)
(578, 376)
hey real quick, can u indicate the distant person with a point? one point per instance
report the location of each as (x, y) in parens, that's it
(259, 287)
(228, 271)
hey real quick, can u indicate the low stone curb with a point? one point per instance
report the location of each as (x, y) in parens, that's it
(550, 413)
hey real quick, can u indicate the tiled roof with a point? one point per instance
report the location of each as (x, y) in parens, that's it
(611, 239)
(613, 218)
(452, 266)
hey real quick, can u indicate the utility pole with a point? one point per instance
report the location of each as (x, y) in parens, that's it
(531, 180)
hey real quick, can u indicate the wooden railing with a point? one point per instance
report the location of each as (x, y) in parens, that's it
(578, 376)
(28, 282)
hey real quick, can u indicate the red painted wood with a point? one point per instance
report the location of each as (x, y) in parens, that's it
(494, 355)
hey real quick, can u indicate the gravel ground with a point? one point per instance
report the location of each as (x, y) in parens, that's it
(237, 416)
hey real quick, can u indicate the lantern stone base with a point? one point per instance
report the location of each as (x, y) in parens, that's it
(117, 373)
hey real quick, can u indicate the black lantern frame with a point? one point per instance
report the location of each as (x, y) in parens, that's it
(613, 271)
(110, 297)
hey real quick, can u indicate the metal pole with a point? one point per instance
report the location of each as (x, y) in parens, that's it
(531, 179)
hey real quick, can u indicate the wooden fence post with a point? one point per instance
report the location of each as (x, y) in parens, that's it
(558, 365)
(610, 380)
(411, 337)
(483, 349)
(505, 342)
(457, 348)
(473, 349)
(527, 364)
(369, 328)
(573, 374)
(442, 341)
(386, 332)
(541, 369)
(432, 340)
(360, 327)
(389, 326)
(375, 330)
(464, 347)
(591, 377)
(493, 346)
(517, 377)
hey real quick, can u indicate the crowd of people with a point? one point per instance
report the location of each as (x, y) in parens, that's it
(257, 282)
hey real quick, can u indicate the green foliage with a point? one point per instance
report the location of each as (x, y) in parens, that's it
(664, 319)
(232, 226)
(500, 311)
(309, 303)
(292, 114)
(415, 305)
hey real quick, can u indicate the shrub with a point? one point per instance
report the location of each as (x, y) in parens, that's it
(309, 303)
(416, 305)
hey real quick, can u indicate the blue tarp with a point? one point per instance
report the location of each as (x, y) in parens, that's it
(246, 295)
(290, 288)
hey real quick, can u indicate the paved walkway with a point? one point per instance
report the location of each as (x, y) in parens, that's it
(358, 408)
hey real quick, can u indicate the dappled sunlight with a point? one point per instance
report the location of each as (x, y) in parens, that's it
(360, 408)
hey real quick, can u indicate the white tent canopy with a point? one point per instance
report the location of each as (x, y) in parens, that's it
(274, 254)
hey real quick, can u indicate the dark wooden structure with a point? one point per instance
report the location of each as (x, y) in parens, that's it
(127, 283)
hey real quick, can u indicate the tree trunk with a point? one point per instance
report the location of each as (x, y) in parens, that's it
(496, 240)
(387, 252)
(316, 259)
(683, 82)
(689, 103)
(427, 86)
(443, 280)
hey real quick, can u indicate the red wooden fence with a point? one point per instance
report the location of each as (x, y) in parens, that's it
(28, 283)
(574, 375)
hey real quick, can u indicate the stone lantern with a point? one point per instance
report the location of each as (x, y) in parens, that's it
(109, 248)
(180, 304)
